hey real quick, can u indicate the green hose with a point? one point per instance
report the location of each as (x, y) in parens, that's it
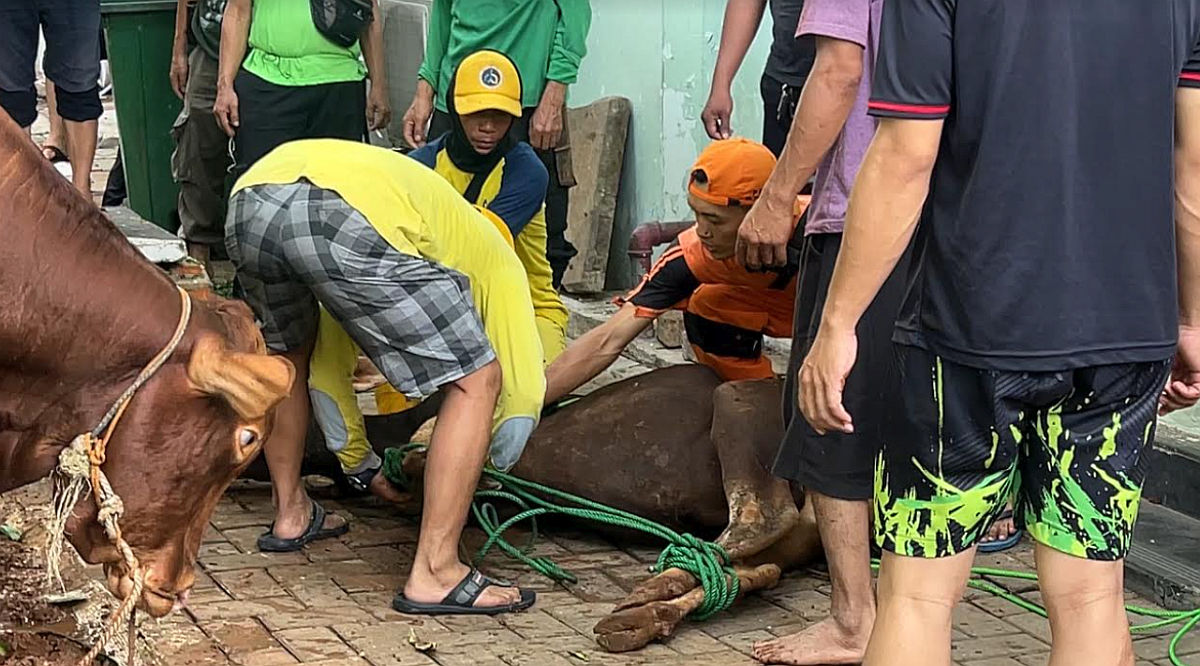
(707, 561)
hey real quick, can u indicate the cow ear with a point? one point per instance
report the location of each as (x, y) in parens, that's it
(251, 383)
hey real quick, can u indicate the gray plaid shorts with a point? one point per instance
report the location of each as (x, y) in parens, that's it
(295, 245)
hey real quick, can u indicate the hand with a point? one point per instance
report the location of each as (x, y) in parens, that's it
(545, 127)
(226, 109)
(416, 119)
(1183, 388)
(822, 378)
(179, 73)
(716, 114)
(379, 108)
(763, 237)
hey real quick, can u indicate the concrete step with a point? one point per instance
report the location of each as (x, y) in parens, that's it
(1164, 562)
(1173, 479)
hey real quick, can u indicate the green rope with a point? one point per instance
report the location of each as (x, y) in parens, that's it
(707, 561)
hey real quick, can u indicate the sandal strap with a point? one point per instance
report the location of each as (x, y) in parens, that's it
(468, 589)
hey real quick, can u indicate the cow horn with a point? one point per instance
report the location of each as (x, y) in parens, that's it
(251, 383)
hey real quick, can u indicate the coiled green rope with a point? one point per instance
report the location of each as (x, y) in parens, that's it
(707, 561)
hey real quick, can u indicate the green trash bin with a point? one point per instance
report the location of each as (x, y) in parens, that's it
(139, 34)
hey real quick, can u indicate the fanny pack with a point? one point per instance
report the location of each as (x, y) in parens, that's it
(341, 21)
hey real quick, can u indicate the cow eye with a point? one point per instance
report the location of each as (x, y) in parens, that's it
(247, 437)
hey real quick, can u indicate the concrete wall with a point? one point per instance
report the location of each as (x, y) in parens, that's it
(660, 55)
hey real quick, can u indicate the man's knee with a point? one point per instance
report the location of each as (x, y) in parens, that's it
(484, 383)
(21, 105)
(79, 106)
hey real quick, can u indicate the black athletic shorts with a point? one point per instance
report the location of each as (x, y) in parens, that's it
(837, 464)
(1068, 446)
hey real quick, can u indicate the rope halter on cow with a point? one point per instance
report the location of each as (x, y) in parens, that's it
(79, 468)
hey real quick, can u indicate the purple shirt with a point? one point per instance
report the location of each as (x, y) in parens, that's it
(854, 21)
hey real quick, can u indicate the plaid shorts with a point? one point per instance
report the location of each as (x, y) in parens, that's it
(295, 245)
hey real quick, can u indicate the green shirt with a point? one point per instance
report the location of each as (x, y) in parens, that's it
(287, 50)
(547, 40)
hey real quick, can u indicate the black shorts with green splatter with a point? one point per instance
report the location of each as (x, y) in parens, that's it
(1066, 446)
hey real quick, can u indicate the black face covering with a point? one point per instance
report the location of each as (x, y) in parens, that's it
(459, 148)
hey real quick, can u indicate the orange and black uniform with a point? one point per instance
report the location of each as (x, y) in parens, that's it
(726, 308)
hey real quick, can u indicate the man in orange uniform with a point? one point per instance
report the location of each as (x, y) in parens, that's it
(727, 309)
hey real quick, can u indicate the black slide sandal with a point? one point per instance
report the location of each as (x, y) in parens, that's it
(461, 599)
(269, 543)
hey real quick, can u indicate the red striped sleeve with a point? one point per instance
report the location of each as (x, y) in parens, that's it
(1190, 79)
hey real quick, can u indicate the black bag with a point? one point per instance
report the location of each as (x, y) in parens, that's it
(341, 21)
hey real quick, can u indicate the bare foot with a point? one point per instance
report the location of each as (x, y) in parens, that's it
(1000, 530)
(826, 642)
(430, 588)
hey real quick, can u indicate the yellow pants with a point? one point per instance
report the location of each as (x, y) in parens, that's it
(337, 407)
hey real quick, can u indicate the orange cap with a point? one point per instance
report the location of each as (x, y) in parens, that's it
(731, 172)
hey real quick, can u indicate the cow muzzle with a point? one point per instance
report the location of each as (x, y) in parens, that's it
(158, 597)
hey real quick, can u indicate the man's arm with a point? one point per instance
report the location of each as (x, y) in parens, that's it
(886, 202)
(379, 108)
(437, 37)
(825, 104)
(179, 55)
(1183, 390)
(589, 354)
(566, 54)
(235, 29)
(742, 18)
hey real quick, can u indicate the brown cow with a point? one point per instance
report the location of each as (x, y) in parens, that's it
(81, 312)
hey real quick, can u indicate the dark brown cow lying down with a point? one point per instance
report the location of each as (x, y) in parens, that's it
(81, 312)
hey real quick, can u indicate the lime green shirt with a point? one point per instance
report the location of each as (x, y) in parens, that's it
(546, 39)
(286, 49)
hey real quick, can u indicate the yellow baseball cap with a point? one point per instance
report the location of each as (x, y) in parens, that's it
(487, 80)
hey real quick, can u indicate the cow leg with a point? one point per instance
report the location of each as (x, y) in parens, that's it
(669, 584)
(746, 431)
(633, 628)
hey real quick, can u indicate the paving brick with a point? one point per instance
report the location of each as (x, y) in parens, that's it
(994, 661)
(808, 604)
(319, 592)
(314, 644)
(378, 605)
(534, 624)
(744, 641)
(978, 623)
(240, 637)
(238, 517)
(250, 561)
(236, 609)
(601, 558)
(581, 616)
(577, 542)
(216, 548)
(270, 657)
(1032, 624)
(314, 617)
(245, 538)
(249, 584)
(184, 645)
(997, 646)
(688, 640)
(365, 581)
(353, 661)
(387, 558)
(329, 550)
(1156, 647)
(387, 644)
(750, 614)
(361, 535)
(595, 585)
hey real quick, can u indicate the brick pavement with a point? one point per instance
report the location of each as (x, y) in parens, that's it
(330, 604)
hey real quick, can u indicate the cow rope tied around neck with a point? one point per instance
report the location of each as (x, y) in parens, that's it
(79, 469)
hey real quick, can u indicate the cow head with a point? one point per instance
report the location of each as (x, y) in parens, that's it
(186, 435)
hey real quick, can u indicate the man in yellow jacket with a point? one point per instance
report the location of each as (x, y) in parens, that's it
(503, 178)
(428, 288)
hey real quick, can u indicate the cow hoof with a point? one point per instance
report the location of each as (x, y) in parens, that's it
(667, 585)
(634, 628)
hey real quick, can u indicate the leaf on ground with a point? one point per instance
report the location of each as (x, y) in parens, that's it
(418, 644)
(5, 650)
(13, 532)
(581, 656)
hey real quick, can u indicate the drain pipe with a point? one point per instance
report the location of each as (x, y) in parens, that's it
(646, 236)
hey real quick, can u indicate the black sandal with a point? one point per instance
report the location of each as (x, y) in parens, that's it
(269, 543)
(461, 600)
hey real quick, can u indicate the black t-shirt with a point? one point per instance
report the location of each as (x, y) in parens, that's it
(791, 58)
(1047, 240)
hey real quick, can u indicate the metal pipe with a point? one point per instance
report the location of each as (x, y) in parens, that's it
(648, 235)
